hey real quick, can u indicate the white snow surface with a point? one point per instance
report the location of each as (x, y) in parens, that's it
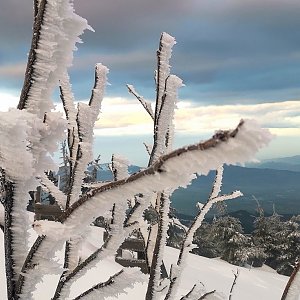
(255, 283)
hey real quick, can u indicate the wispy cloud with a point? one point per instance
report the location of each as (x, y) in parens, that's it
(12, 70)
(126, 117)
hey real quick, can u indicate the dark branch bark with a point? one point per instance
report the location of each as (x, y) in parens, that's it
(290, 281)
(236, 275)
(158, 112)
(207, 294)
(29, 73)
(28, 263)
(8, 240)
(96, 81)
(82, 265)
(35, 8)
(101, 285)
(189, 293)
(142, 101)
(156, 261)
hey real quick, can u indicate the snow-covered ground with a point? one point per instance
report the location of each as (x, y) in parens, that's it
(252, 284)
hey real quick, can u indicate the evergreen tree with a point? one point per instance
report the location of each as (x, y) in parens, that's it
(267, 236)
(233, 245)
(289, 247)
(205, 243)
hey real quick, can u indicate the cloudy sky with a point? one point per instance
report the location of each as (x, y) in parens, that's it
(236, 58)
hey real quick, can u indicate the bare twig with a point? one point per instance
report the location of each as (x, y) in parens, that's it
(292, 287)
(148, 148)
(189, 293)
(146, 104)
(236, 275)
(207, 294)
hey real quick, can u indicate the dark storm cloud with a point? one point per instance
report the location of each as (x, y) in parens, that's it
(227, 49)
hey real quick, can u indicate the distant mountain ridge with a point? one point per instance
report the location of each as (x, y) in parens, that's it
(279, 189)
(291, 163)
(273, 188)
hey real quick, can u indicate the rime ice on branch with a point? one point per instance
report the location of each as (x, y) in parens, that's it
(35, 132)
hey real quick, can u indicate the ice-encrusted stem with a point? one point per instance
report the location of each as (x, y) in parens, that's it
(95, 289)
(214, 197)
(166, 98)
(171, 170)
(8, 237)
(153, 291)
(58, 195)
(81, 126)
(85, 119)
(164, 53)
(121, 280)
(55, 32)
(68, 102)
(109, 247)
(116, 232)
(163, 72)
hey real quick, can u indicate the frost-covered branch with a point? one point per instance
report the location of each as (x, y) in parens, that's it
(114, 286)
(176, 270)
(39, 10)
(292, 289)
(117, 234)
(171, 170)
(146, 104)
(109, 247)
(68, 102)
(235, 146)
(153, 290)
(119, 167)
(81, 129)
(93, 291)
(55, 32)
(163, 136)
(163, 69)
(58, 195)
(86, 118)
(166, 97)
